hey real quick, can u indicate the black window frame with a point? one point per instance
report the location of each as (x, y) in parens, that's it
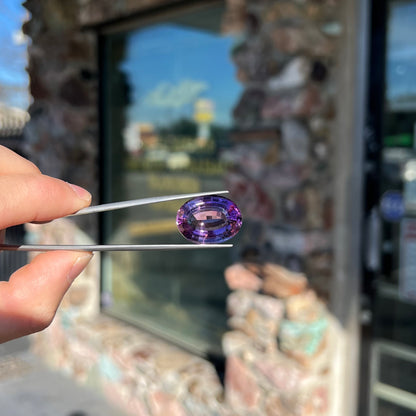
(131, 22)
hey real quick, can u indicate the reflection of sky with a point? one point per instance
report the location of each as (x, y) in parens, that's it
(170, 66)
(401, 55)
(13, 76)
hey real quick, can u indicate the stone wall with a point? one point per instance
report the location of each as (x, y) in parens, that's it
(62, 134)
(140, 373)
(280, 347)
(279, 352)
(282, 178)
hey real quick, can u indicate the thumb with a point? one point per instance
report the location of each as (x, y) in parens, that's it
(28, 302)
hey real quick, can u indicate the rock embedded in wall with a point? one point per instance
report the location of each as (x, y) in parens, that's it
(285, 176)
(82, 299)
(288, 40)
(251, 198)
(239, 277)
(247, 112)
(242, 392)
(282, 374)
(239, 302)
(253, 58)
(287, 11)
(301, 103)
(162, 404)
(280, 339)
(296, 141)
(282, 283)
(274, 406)
(293, 75)
(234, 343)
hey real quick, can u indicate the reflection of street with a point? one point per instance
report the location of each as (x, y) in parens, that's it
(142, 185)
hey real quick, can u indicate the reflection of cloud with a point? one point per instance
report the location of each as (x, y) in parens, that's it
(19, 38)
(402, 52)
(175, 96)
(401, 55)
(402, 27)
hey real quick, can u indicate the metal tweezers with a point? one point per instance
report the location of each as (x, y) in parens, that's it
(122, 247)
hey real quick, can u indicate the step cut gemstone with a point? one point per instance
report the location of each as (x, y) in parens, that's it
(209, 219)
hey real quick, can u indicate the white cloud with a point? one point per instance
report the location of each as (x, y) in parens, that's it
(175, 96)
(19, 38)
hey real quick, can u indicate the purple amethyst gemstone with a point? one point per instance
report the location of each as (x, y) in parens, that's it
(209, 219)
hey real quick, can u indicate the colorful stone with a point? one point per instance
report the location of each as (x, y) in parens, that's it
(209, 219)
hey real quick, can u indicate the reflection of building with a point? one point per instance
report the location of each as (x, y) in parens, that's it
(302, 156)
(138, 134)
(132, 140)
(204, 115)
(148, 135)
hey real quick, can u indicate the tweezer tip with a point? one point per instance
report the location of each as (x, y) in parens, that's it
(116, 247)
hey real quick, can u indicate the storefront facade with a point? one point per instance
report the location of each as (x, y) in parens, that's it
(388, 302)
(271, 100)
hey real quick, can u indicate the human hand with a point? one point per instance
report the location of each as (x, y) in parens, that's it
(29, 300)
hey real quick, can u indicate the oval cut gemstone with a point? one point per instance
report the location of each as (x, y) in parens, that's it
(209, 219)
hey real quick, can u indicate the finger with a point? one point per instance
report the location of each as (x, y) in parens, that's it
(12, 163)
(28, 302)
(38, 198)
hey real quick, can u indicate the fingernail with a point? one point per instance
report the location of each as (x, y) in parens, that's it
(79, 265)
(81, 192)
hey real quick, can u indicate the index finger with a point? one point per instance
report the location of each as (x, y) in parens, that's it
(11, 163)
(38, 198)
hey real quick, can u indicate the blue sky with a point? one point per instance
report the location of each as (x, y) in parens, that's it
(13, 76)
(167, 77)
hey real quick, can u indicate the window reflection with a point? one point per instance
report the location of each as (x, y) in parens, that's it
(401, 57)
(169, 92)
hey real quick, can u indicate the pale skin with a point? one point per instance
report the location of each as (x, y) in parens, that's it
(29, 300)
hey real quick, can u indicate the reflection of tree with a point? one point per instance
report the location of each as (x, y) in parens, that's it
(182, 127)
(188, 128)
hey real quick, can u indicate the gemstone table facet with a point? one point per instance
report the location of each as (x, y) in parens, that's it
(209, 219)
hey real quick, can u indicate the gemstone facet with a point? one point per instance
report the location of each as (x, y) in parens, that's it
(209, 219)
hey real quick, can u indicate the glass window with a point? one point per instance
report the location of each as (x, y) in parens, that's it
(169, 89)
(393, 289)
(401, 57)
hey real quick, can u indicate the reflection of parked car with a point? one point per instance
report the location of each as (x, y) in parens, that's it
(178, 160)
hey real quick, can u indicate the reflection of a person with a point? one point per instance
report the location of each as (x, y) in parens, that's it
(29, 300)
